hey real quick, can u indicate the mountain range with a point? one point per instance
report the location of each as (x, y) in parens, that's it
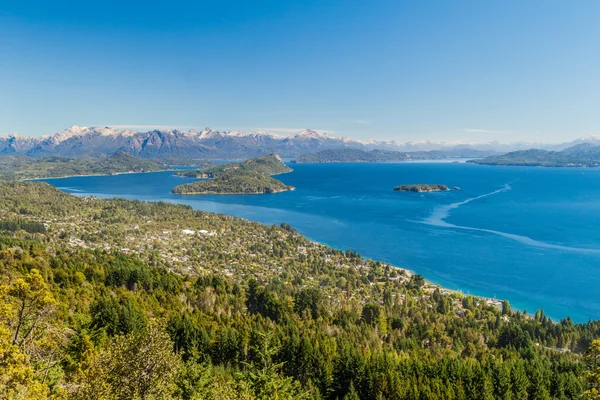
(580, 155)
(208, 143)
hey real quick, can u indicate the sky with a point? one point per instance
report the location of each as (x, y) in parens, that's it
(451, 70)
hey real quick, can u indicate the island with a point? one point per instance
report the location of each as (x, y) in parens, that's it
(582, 155)
(234, 183)
(253, 176)
(421, 187)
(270, 164)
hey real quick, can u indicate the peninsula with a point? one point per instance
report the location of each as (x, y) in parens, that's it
(252, 176)
(216, 281)
(23, 167)
(422, 188)
(582, 155)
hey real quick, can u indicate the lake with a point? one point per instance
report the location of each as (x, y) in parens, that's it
(529, 235)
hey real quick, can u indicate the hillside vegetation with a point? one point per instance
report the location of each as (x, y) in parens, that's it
(20, 167)
(267, 165)
(252, 176)
(583, 155)
(128, 299)
(355, 155)
(234, 183)
(421, 187)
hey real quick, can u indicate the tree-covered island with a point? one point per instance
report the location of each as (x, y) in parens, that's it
(252, 176)
(422, 187)
(270, 164)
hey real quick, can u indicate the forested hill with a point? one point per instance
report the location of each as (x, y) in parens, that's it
(128, 299)
(20, 167)
(355, 155)
(252, 176)
(234, 183)
(583, 155)
(267, 165)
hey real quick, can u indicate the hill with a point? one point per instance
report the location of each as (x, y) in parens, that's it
(234, 183)
(200, 305)
(376, 155)
(582, 155)
(252, 176)
(20, 167)
(356, 155)
(270, 164)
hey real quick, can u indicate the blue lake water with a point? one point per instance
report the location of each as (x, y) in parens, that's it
(529, 235)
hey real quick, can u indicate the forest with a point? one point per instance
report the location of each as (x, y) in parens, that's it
(22, 167)
(118, 299)
(253, 176)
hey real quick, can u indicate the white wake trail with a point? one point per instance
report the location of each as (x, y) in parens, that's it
(439, 214)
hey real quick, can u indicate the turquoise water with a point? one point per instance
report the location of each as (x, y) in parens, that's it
(529, 235)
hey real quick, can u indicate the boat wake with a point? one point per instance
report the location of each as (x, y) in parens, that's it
(439, 215)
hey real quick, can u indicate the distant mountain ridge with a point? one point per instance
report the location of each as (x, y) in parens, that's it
(356, 155)
(581, 155)
(208, 143)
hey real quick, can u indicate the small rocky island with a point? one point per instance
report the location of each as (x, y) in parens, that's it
(252, 176)
(422, 187)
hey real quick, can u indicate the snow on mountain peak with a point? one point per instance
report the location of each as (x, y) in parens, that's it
(69, 133)
(310, 134)
(112, 132)
(207, 133)
(237, 134)
(591, 138)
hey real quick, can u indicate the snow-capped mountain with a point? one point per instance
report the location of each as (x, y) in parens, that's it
(591, 139)
(79, 141)
(310, 134)
(16, 144)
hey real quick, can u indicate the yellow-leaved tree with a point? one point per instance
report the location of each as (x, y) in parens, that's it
(17, 324)
(591, 378)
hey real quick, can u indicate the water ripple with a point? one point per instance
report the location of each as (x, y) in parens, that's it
(440, 213)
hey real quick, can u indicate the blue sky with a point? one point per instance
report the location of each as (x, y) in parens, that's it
(406, 70)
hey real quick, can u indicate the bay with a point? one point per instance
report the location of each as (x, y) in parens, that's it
(529, 235)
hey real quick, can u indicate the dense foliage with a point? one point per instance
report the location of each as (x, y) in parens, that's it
(422, 187)
(239, 310)
(355, 155)
(234, 183)
(266, 165)
(583, 155)
(252, 176)
(20, 167)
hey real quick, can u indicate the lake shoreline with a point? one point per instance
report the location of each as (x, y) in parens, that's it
(351, 206)
(95, 175)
